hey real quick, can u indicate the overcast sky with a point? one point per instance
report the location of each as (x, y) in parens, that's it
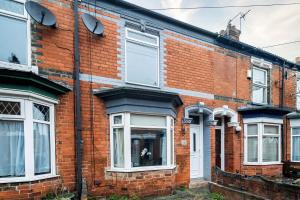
(263, 26)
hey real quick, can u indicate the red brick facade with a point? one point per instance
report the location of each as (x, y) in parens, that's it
(191, 65)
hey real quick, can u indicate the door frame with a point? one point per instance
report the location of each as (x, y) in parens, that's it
(222, 128)
(201, 132)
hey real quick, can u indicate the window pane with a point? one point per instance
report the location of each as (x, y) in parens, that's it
(142, 64)
(252, 149)
(13, 40)
(12, 149)
(259, 76)
(298, 85)
(118, 143)
(10, 108)
(270, 149)
(118, 119)
(12, 6)
(41, 112)
(271, 129)
(148, 147)
(296, 131)
(147, 120)
(42, 155)
(258, 94)
(252, 129)
(296, 148)
(142, 37)
(298, 102)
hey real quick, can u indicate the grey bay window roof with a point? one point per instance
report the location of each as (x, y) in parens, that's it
(159, 21)
(139, 100)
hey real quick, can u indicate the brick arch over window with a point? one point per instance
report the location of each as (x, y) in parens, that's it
(226, 111)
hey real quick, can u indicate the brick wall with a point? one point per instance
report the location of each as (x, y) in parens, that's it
(190, 66)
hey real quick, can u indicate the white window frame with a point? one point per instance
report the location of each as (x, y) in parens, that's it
(25, 17)
(27, 118)
(143, 43)
(261, 122)
(265, 86)
(292, 137)
(127, 143)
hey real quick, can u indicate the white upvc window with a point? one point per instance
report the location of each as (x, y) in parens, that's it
(14, 35)
(142, 58)
(295, 144)
(259, 85)
(262, 144)
(298, 93)
(27, 140)
(141, 142)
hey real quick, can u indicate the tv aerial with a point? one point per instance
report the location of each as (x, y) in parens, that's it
(40, 14)
(92, 24)
(242, 16)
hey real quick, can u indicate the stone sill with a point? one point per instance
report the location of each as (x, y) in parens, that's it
(142, 169)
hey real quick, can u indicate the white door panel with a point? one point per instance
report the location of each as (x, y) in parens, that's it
(196, 151)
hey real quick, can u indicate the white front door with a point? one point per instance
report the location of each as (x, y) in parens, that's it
(196, 150)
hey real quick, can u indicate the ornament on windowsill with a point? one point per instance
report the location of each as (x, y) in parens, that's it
(145, 152)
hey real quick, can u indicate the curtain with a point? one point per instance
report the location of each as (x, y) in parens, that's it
(164, 149)
(270, 149)
(42, 155)
(118, 136)
(12, 148)
(252, 149)
(296, 148)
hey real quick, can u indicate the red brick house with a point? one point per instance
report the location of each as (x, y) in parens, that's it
(152, 104)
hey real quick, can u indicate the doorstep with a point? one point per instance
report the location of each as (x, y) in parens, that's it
(198, 183)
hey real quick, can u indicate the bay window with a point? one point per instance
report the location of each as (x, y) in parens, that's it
(262, 143)
(141, 142)
(27, 147)
(142, 58)
(295, 144)
(14, 33)
(259, 85)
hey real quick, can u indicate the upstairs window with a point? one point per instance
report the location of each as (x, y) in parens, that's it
(14, 32)
(142, 58)
(259, 85)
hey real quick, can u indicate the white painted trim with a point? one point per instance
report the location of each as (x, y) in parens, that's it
(226, 111)
(223, 145)
(26, 18)
(265, 86)
(27, 118)
(25, 94)
(261, 63)
(292, 137)
(262, 120)
(260, 134)
(127, 144)
(141, 169)
(139, 42)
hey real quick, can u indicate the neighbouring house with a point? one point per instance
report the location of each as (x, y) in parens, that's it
(151, 105)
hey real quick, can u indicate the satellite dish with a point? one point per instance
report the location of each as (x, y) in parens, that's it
(92, 24)
(40, 14)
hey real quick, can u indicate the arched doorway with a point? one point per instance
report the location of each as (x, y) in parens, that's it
(224, 117)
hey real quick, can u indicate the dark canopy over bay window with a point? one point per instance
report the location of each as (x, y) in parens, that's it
(141, 127)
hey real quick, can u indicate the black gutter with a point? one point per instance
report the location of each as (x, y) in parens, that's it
(78, 125)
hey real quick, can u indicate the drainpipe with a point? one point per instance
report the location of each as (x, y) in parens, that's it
(282, 86)
(77, 103)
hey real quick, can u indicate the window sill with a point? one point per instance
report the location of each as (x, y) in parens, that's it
(19, 67)
(263, 164)
(142, 169)
(25, 179)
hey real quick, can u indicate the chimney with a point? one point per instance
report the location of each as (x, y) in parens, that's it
(297, 60)
(231, 32)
